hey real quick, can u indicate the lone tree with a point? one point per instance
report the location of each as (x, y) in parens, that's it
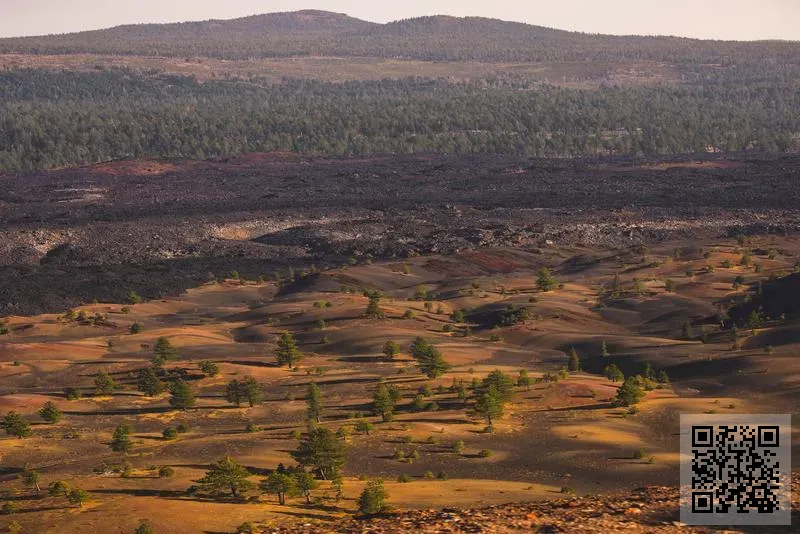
(314, 404)
(383, 402)
(50, 413)
(429, 358)
(630, 392)
(545, 280)
(226, 476)
(182, 395)
(16, 425)
(281, 484)
(374, 310)
(149, 383)
(209, 368)
(164, 351)
(104, 385)
(78, 496)
(391, 349)
(373, 499)
(287, 352)
(121, 439)
(31, 478)
(574, 363)
(323, 450)
(501, 382)
(490, 405)
(613, 373)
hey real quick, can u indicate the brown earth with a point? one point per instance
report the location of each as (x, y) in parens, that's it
(555, 435)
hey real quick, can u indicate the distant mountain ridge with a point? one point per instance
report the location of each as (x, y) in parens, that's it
(322, 33)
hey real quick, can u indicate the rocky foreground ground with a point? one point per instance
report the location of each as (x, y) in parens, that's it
(646, 509)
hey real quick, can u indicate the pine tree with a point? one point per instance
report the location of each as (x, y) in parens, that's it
(31, 478)
(164, 351)
(574, 364)
(233, 392)
(252, 391)
(314, 407)
(630, 392)
(50, 413)
(490, 404)
(391, 349)
(281, 484)
(373, 499)
(613, 373)
(104, 384)
(121, 439)
(429, 359)
(323, 450)
(182, 396)
(149, 383)
(545, 280)
(382, 402)
(374, 310)
(305, 483)
(226, 476)
(287, 352)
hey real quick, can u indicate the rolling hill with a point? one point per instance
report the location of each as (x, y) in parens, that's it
(320, 33)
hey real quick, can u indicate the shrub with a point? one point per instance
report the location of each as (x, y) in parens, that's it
(428, 475)
(459, 446)
(9, 508)
(566, 490)
(182, 428)
(484, 453)
(145, 528)
(404, 478)
(166, 471)
(441, 475)
(170, 433)
(373, 499)
(641, 453)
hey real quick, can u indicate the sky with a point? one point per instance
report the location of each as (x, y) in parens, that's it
(706, 19)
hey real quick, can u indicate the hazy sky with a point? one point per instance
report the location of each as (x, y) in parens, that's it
(711, 19)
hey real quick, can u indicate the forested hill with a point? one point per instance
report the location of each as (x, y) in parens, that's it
(320, 33)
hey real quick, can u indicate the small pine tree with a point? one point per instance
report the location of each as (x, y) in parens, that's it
(104, 385)
(374, 310)
(50, 413)
(136, 328)
(630, 392)
(121, 439)
(182, 396)
(134, 298)
(314, 406)
(391, 349)
(149, 383)
(382, 402)
(373, 499)
(613, 373)
(545, 280)
(574, 363)
(287, 352)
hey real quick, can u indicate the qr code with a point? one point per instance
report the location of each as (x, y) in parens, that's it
(735, 469)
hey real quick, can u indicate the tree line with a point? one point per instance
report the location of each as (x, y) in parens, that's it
(53, 119)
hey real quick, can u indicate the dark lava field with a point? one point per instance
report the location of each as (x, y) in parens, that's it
(157, 227)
